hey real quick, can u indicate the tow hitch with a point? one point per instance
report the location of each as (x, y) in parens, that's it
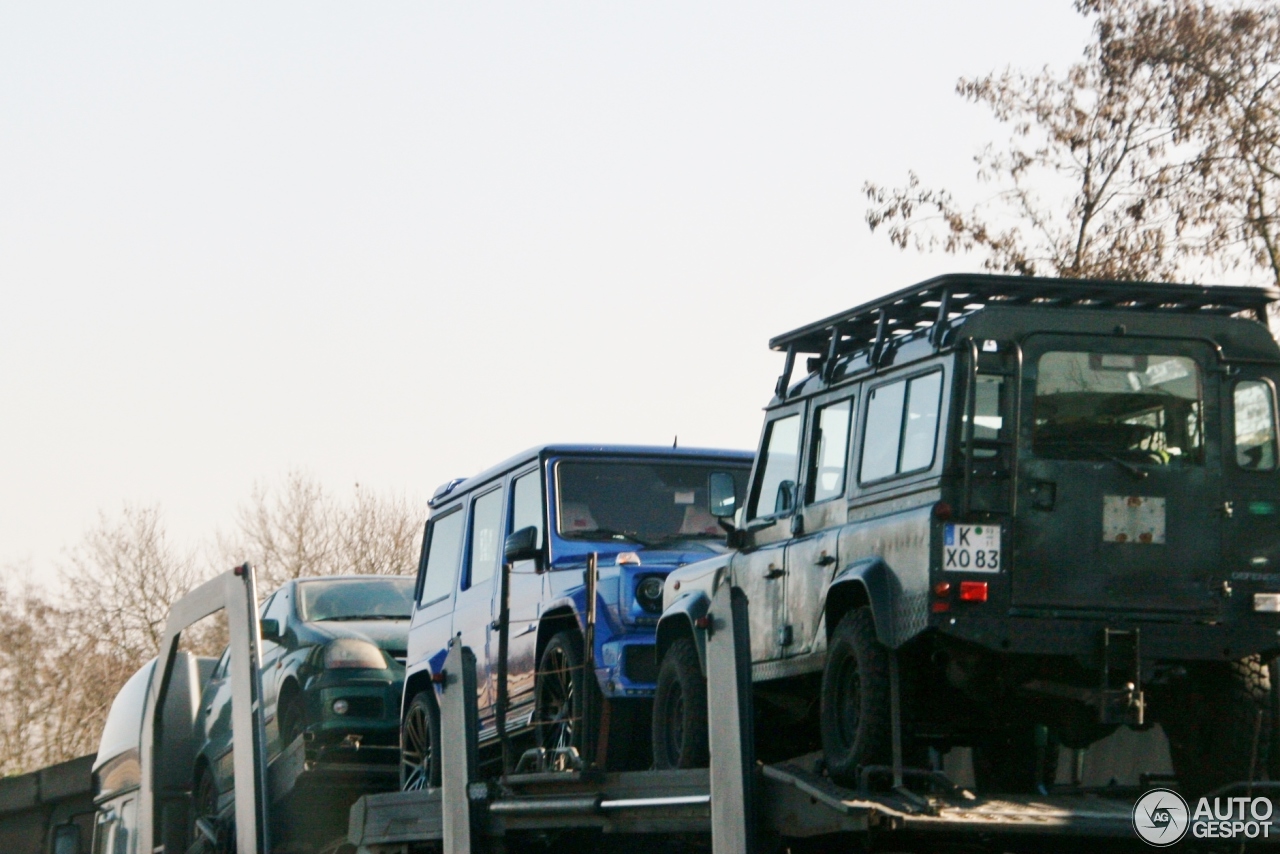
(1120, 699)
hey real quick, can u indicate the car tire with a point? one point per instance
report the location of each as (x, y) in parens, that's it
(292, 715)
(855, 704)
(1009, 760)
(559, 693)
(204, 805)
(680, 709)
(419, 744)
(1211, 720)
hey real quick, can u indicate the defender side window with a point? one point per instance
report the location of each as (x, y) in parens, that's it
(830, 451)
(1255, 418)
(486, 531)
(444, 553)
(779, 464)
(902, 427)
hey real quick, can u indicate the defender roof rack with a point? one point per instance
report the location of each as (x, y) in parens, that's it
(935, 303)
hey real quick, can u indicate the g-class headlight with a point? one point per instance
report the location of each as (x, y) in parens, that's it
(649, 594)
(353, 653)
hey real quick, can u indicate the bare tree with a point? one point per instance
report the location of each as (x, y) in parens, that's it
(63, 658)
(123, 578)
(298, 529)
(1216, 70)
(1157, 151)
(378, 534)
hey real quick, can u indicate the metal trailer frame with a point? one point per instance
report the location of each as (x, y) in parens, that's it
(236, 592)
(733, 801)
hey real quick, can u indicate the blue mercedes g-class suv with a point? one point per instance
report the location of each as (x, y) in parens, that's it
(641, 511)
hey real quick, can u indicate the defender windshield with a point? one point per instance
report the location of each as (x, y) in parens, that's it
(356, 599)
(643, 503)
(1136, 408)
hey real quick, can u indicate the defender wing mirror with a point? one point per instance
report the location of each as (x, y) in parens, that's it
(522, 545)
(270, 630)
(786, 499)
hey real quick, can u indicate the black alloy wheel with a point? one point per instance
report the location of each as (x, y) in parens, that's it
(559, 693)
(680, 709)
(419, 737)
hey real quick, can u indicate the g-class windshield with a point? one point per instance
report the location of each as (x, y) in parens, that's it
(644, 503)
(1132, 407)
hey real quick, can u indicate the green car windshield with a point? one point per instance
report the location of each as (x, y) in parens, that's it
(356, 599)
(1135, 407)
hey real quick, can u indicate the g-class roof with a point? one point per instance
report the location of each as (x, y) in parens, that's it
(460, 485)
(929, 310)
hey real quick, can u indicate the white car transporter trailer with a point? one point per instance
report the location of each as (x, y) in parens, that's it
(736, 805)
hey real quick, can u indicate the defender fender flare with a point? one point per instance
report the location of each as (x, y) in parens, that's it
(872, 582)
(680, 620)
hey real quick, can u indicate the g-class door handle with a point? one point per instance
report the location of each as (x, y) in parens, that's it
(826, 560)
(774, 572)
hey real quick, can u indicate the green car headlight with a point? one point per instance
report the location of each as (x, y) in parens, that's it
(353, 653)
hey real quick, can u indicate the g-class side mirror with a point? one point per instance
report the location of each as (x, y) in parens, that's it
(521, 545)
(270, 630)
(722, 494)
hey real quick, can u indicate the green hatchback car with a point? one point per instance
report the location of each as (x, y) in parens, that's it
(333, 652)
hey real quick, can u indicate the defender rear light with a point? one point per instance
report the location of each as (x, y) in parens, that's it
(942, 510)
(973, 591)
(1266, 602)
(942, 588)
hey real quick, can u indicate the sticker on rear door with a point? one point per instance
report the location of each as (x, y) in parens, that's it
(1133, 519)
(971, 548)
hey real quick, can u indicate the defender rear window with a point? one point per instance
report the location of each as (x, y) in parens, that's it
(1255, 418)
(902, 427)
(1129, 406)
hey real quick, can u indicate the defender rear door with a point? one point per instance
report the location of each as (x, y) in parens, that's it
(1252, 487)
(1119, 492)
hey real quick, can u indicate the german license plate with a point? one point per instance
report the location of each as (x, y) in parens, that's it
(971, 548)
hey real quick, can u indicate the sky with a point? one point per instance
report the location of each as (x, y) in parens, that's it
(396, 243)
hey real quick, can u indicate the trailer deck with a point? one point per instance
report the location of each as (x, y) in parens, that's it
(797, 803)
(735, 805)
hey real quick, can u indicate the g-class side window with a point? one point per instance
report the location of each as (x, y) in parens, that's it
(444, 553)
(1255, 419)
(775, 490)
(901, 428)
(526, 503)
(830, 452)
(486, 527)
